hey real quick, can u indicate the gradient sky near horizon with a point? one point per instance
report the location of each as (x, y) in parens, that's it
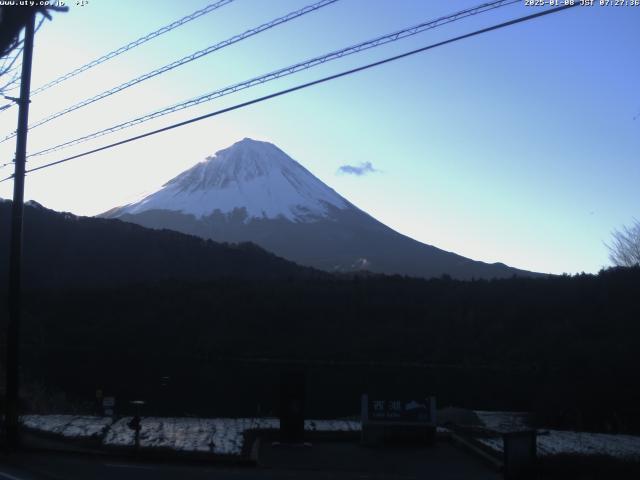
(520, 145)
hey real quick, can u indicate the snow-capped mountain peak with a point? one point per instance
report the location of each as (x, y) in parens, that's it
(253, 191)
(251, 175)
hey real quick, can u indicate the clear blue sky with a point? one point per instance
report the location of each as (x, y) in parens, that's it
(517, 146)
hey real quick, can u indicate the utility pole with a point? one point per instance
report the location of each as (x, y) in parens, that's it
(15, 259)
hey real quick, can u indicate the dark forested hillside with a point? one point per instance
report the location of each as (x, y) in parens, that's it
(63, 250)
(116, 307)
(565, 347)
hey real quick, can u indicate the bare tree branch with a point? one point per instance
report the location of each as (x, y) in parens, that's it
(624, 249)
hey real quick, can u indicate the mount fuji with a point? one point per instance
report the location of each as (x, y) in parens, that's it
(253, 191)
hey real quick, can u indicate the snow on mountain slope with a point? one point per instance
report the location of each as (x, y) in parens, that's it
(253, 191)
(251, 175)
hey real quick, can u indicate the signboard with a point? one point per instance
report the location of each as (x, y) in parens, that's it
(419, 411)
(108, 404)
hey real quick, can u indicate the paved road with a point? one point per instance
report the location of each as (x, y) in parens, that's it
(442, 461)
(322, 461)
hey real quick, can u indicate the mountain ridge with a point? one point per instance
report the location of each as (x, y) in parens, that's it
(253, 191)
(62, 250)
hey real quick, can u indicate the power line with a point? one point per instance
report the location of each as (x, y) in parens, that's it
(305, 85)
(291, 69)
(189, 58)
(167, 28)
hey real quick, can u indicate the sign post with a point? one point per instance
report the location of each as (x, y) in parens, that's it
(292, 400)
(520, 453)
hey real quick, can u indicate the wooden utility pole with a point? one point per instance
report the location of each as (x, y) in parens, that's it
(15, 259)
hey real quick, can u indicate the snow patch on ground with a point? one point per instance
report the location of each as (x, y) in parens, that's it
(504, 422)
(330, 426)
(556, 442)
(70, 426)
(559, 442)
(225, 436)
(221, 436)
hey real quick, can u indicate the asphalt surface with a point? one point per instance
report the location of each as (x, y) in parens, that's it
(336, 461)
